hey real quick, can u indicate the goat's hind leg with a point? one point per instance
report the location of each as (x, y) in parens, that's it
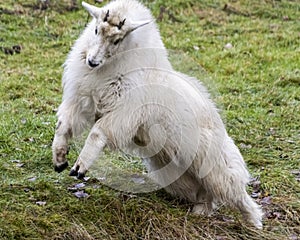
(205, 204)
(92, 149)
(231, 190)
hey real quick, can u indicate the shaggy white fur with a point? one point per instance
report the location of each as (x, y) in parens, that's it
(118, 81)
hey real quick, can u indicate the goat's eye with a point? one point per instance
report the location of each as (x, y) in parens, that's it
(117, 41)
(96, 31)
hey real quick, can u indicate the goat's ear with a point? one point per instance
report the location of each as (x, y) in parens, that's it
(135, 25)
(94, 11)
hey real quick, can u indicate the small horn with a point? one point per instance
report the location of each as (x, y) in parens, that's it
(121, 24)
(106, 16)
(93, 10)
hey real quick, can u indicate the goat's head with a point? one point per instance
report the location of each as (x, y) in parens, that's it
(109, 31)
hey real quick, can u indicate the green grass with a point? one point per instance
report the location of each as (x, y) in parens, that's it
(256, 83)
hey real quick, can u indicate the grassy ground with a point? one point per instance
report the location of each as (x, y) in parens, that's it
(249, 49)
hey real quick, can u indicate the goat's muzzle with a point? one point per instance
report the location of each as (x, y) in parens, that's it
(92, 64)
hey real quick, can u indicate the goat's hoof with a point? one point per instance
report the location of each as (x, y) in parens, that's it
(80, 175)
(205, 209)
(73, 172)
(61, 167)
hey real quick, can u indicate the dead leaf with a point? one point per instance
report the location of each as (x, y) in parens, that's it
(245, 146)
(81, 194)
(221, 238)
(227, 219)
(137, 179)
(101, 179)
(76, 187)
(272, 215)
(293, 237)
(255, 194)
(266, 200)
(79, 185)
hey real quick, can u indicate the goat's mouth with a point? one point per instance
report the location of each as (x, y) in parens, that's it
(93, 64)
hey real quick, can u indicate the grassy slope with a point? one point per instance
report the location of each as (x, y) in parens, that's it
(258, 82)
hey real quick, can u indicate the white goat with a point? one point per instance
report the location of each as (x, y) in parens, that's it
(118, 81)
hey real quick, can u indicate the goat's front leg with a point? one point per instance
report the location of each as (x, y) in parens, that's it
(92, 149)
(63, 133)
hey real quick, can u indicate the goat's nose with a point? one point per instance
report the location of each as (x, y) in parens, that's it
(92, 64)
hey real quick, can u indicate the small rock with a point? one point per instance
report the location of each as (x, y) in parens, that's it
(32, 179)
(40, 203)
(15, 161)
(196, 48)
(86, 179)
(23, 120)
(286, 18)
(297, 174)
(228, 46)
(31, 139)
(272, 131)
(19, 165)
